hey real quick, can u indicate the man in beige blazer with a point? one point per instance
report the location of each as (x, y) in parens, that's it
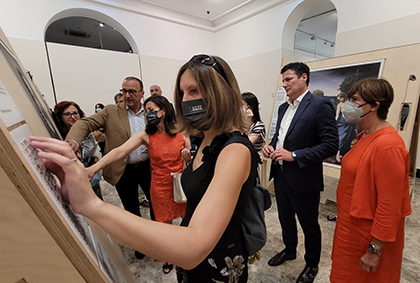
(120, 122)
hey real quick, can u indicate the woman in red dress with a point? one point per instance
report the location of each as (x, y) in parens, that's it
(373, 193)
(164, 146)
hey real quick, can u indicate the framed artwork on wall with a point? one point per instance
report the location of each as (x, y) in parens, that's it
(333, 83)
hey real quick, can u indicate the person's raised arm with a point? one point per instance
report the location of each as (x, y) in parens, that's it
(84, 126)
(182, 246)
(117, 153)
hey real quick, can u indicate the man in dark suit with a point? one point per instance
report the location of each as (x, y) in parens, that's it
(120, 122)
(306, 134)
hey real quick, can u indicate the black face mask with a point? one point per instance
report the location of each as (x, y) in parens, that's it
(152, 118)
(194, 112)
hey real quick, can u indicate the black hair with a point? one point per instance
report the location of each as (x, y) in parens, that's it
(299, 68)
(169, 119)
(253, 102)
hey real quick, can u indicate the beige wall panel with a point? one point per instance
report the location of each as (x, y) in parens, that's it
(256, 74)
(27, 250)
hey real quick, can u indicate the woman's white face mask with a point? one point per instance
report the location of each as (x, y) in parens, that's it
(353, 113)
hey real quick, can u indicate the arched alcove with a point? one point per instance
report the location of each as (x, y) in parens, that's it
(104, 25)
(303, 30)
(90, 73)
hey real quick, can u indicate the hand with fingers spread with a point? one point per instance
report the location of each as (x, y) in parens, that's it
(62, 162)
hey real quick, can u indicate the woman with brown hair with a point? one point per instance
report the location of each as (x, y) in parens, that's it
(164, 145)
(67, 113)
(209, 247)
(373, 193)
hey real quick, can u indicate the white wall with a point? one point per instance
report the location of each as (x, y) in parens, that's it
(375, 24)
(89, 76)
(170, 44)
(254, 47)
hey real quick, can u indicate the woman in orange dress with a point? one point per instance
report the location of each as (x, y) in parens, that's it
(373, 193)
(164, 146)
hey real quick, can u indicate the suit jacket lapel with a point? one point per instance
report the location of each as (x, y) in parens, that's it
(122, 112)
(302, 106)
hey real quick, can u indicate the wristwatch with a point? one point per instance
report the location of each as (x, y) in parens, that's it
(294, 155)
(374, 250)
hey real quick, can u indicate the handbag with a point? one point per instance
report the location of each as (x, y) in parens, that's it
(253, 225)
(179, 195)
(253, 221)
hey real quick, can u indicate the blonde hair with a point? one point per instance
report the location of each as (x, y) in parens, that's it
(220, 93)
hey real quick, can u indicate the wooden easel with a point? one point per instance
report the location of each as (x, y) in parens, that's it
(42, 239)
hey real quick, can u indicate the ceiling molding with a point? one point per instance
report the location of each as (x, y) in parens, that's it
(237, 14)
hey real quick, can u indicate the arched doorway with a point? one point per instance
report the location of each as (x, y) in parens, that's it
(89, 55)
(87, 32)
(309, 32)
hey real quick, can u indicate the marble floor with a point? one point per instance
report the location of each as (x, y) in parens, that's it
(150, 270)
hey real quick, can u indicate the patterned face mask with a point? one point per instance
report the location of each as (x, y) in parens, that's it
(194, 112)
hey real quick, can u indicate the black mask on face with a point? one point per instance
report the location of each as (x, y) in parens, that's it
(194, 112)
(152, 118)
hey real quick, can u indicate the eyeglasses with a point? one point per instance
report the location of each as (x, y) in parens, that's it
(69, 114)
(130, 91)
(209, 61)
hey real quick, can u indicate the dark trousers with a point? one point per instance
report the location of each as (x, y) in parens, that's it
(305, 205)
(128, 185)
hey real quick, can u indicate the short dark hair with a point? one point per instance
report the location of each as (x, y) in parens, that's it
(374, 90)
(169, 122)
(299, 68)
(100, 105)
(253, 102)
(137, 79)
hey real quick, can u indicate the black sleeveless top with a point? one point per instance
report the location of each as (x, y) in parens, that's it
(229, 258)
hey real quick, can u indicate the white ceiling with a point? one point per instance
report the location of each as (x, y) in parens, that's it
(213, 15)
(320, 23)
(207, 9)
(206, 14)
